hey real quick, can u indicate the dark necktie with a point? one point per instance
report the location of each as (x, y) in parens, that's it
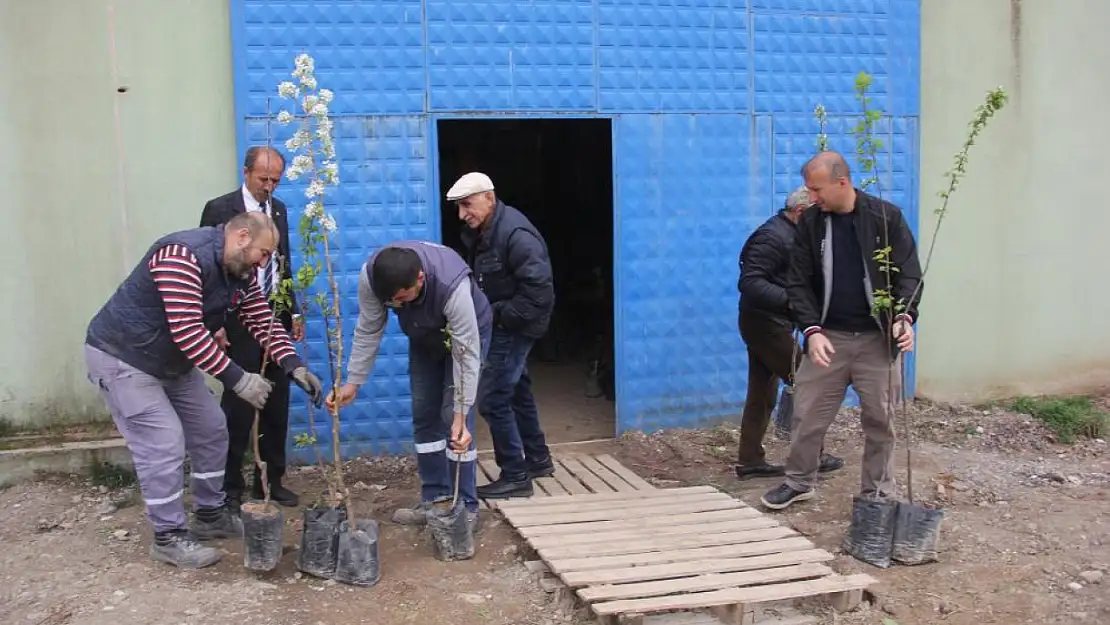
(267, 275)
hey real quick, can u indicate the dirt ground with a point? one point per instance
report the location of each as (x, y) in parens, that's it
(1026, 533)
(1026, 539)
(72, 558)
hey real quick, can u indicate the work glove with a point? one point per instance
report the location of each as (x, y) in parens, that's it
(254, 389)
(310, 384)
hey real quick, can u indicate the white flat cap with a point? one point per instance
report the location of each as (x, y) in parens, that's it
(474, 182)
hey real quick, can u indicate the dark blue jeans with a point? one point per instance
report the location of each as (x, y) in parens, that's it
(433, 408)
(506, 402)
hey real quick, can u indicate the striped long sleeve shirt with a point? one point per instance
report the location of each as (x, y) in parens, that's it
(176, 273)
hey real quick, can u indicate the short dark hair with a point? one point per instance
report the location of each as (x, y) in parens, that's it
(253, 153)
(395, 268)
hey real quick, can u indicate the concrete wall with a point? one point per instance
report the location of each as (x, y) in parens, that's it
(1015, 301)
(93, 176)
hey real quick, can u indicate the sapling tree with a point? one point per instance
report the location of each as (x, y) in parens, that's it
(884, 302)
(314, 159)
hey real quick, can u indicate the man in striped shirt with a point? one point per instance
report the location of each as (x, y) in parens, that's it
(146, 350)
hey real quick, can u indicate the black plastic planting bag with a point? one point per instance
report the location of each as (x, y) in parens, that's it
(263, 525)
(870, 537)
(784, 413)
(916, 534)
(357, 550)
(449, 532)
(320, 541)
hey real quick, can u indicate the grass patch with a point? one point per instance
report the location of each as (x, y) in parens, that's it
(1069, 417)
(112, 476)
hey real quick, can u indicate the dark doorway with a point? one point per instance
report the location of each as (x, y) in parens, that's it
(558, 172)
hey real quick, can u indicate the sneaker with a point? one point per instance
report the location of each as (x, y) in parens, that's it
(181, 549)
(783, 495)
(216, 523)
(504, 488)
(543, 468)
(830, 463)
(416, 515)
(763, 469)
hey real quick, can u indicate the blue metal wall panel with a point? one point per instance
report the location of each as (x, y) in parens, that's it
(672, 56)
(497, 55)
(712, 103)
(680, 223)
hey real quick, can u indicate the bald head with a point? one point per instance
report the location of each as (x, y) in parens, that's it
(832, 162)
(829, 181)
(249, 241)
(255, 222)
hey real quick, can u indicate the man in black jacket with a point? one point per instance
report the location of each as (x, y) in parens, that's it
(766, 328)
(509, 258)
(262, 171)
(835, 279)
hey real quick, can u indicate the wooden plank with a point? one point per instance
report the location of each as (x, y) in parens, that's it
(710, 581)
(663, 556)
(585, 504)
(663, 520)
(664, 543)
(619, 497)
(650, 572)
(489, 467)
(756, 594)
(736, 525)
(538, 493)
(550, 486)
(593, 482)
(480, 473)
(570, 483)
(625, 511)
(615, 481)
(536, 566)
(629, 475)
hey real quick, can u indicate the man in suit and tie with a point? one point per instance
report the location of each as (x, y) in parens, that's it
(262, 171)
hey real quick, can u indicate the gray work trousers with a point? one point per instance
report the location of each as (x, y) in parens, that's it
(862, 360)
(160, 420)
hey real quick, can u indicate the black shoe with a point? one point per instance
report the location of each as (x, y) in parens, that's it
(543, 468)
(215, 524)
(830, 463)
(502, 488)
(278, 494)
(234, 503)
(783, 495)
(763, 469)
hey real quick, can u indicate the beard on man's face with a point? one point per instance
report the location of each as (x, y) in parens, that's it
(240, 267)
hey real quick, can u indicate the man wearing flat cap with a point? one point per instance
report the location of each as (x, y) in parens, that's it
(510, 261)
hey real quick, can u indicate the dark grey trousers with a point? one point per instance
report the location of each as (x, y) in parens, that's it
(160, 420)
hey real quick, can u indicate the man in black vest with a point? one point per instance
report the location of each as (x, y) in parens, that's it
(145, 350)
(447, 320)
(262, 171)
(509, 258)
(766, 328)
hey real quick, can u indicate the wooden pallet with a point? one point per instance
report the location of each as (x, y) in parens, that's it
(575, 474)
(632, 554)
